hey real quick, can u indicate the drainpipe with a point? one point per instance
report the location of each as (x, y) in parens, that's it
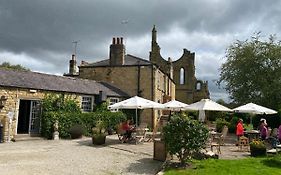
(152, 93)
(138, 83)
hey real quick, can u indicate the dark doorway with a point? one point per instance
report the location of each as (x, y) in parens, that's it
(29, 117)
(24, 117)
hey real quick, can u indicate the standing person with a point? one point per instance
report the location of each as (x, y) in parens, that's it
(263, 129)
(239, 129)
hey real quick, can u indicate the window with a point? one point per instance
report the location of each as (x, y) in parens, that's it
(86, 104)
(182, 76)
(198, 85)
(113, 101)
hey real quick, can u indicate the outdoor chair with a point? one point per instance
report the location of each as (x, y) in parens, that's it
(140, 134)
(243, 144)
(221, 136)
(217, 144)
(224, 134)
(274, 132)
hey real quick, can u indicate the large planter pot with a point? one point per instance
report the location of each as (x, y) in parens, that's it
(76, 131)
(98, 139)
(256, 151)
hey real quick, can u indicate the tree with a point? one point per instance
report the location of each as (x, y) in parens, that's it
(7, 65)
(252, 71)
(184, 136)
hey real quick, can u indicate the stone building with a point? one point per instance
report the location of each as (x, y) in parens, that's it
(188, 88)
(22, 91)
(155, 79)
(134, 75)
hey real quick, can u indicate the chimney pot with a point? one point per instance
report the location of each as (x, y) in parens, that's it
(121, 40)
(113, 40)
(118, 40)
(73, 57)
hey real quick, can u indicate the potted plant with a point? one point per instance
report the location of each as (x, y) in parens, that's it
(257, 148)
(99, 134)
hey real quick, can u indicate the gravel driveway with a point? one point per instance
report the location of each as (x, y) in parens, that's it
(76, 157)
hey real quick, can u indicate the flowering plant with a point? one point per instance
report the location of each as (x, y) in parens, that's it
(257, 143)
(257, 148)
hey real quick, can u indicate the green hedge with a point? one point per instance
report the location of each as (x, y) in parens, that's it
(86, 120)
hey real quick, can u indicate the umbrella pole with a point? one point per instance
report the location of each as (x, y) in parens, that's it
(136, 117)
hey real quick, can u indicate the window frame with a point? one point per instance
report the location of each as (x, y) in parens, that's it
(110, 103)
(84, 101)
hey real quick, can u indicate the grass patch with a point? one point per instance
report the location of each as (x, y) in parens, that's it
(249, 166)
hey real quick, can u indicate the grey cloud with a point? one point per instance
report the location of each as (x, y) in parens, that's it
(44, 29)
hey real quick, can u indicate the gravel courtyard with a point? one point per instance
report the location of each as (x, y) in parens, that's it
(76, 157)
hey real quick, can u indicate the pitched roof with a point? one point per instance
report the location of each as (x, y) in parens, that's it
(40, 81)
(130, 60)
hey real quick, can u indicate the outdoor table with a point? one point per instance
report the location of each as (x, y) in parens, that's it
(150, 135)
(252, 134)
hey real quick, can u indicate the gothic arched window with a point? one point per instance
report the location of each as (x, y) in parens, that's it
(182, 76)
(198, 85)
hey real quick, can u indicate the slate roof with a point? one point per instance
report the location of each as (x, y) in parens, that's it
(40, 81)
(130, 60)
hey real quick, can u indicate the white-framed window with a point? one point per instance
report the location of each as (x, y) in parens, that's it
(87, 103)
(112, 101)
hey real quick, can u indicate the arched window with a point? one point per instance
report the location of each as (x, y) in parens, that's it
(182, 76)
(198, 85)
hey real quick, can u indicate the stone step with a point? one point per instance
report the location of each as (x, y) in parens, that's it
(27, 137)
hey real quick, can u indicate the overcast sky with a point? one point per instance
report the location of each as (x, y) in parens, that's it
(38, 34)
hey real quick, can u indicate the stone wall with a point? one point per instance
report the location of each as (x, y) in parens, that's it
(153, 83)
(185, 92)
(14, 95)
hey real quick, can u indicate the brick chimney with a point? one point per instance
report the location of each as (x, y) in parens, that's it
(117, 52)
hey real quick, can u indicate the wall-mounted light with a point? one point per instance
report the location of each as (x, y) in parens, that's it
(3, 100)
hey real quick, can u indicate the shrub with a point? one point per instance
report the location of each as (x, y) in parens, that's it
(99, 135)
(184, 136)
(220, 123)
(232, 125)
(68, 116)
(257, 148)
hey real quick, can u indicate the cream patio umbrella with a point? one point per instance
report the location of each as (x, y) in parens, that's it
(253, 109)
(206, 105)
(174, 105)
(136, 103)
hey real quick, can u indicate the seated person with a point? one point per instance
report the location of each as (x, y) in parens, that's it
(128, 128)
